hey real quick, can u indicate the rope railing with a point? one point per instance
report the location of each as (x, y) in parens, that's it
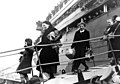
(38, 51)
(8, 68)
(60, 62)
(43, 45)
(50, 44)
(9, 55)
(58, 44)
(60, 47)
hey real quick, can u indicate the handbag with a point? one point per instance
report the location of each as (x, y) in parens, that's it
(88, 55)
(70, 53)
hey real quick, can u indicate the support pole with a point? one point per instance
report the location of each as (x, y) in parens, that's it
(39, 64)
(116, 67)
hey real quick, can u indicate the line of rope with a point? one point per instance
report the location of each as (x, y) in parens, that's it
(75, 41)
(18, 53)
(67, 61)
(71, 42)
(9, 55)
(38, 51)
(14, 54)
(8, 67)
(50, 44)
(57, 43)
(61, 62)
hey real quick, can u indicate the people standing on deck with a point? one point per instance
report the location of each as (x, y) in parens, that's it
(113, 42)
(80, 47)
(48, 54)
(110, 23)
(106, 32)
(26, 61)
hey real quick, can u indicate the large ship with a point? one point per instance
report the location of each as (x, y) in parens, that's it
(65, 17)
(94, 13)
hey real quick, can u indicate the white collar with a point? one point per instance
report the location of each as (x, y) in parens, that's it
(81, 31)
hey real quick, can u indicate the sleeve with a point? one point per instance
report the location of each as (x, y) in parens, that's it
(88, 42)
(74, 44)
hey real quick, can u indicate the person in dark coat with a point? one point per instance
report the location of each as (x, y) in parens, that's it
(25, 61)
(48, 54)
(106, 32)
(115, 41)
(80, 47)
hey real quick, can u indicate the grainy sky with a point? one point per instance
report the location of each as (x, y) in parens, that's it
(18, 21)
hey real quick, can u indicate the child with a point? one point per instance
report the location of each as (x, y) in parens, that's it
(25, 61)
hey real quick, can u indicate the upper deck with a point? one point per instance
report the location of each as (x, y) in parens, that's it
(75, 9)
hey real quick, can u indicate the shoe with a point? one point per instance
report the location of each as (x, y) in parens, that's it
(75, 71)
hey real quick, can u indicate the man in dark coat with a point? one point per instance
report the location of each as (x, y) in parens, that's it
(115, 41)
(25, 61)
(80, 47)
(48, 54)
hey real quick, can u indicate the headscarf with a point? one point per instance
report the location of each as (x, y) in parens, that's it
(50, 25)
(29, 41)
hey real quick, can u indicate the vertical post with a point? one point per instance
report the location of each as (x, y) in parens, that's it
(80, 76)
(116, 67)
(39, 63)
(91, 53)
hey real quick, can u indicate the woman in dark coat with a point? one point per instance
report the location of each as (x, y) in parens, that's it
(48, 54)
(25, 60)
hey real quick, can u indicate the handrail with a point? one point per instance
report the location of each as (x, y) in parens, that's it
(50, 44)
(60, 62)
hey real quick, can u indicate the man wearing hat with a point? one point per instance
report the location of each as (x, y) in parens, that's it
(115, 41)
(80, 47)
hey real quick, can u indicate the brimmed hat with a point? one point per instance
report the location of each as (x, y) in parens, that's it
(81, 23)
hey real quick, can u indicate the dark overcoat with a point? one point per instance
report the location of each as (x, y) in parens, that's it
(48, 54)
(115, 42)
(26, 60)
(81, 47)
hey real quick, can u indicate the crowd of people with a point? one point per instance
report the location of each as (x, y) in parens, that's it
(48, 54)
(48, 59)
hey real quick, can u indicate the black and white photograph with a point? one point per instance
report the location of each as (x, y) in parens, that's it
(60, 42)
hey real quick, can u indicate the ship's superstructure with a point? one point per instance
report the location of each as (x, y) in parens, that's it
(65, 17)
(76, 10)
(93, 12)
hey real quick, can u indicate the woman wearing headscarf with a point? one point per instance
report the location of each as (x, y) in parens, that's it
(25, 61)
(49, 54)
